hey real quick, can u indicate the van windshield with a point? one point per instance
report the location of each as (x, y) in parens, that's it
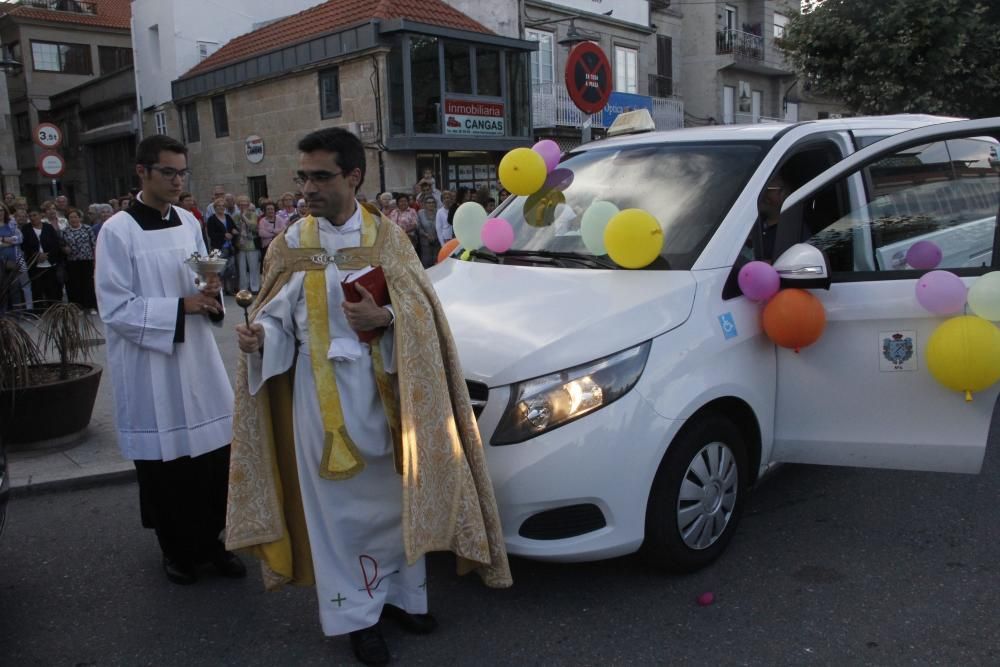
(687, 187)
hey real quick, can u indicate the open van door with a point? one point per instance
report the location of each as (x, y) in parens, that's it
(862, 395)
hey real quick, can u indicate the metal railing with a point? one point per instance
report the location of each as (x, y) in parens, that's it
(552, 107)
(75, 6)
(662, 86)
(740, 44)
(748, 119)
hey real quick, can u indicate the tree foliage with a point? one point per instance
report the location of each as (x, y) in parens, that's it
(901, 56)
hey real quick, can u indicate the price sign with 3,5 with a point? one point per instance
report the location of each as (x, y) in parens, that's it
(48, 135)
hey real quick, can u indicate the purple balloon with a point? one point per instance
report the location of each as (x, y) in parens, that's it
(759, 281)
(941, 292)
(924, 255)
(549, 150)
(558, 179)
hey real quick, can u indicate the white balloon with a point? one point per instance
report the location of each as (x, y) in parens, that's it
(468, 222)
(595, 219)
(984, 296)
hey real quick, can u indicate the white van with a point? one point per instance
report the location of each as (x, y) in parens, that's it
(622, 409)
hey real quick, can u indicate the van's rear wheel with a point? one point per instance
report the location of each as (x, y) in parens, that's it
(697, 496)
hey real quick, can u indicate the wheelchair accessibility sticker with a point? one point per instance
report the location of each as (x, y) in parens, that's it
(728, 325)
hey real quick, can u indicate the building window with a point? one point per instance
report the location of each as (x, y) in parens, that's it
(113, 58)
(729, 18)
(488, 72)
(205, 49)
(780, 21)
(626, 70)
(256, 188)
(160, 120)
(22, 127)
(457, 68)
(65, 58)
(329, 93)
(219, 116)
(425, 68)
(12, 51)
(189, 122)
(542, 65)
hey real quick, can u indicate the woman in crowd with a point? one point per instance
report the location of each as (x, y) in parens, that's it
(78, 245)
(222, 232)
(13, 262)
(269, 226)
(427, 231)
(405, 217)
(41, 250)
(386, 203)
(286, 208)
(249, 245)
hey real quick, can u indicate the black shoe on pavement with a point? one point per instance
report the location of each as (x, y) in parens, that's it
(418, 624)
(369, 646)
(229, 565)
(184, 574)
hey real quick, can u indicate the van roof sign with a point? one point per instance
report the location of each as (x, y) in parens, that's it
(632, 122)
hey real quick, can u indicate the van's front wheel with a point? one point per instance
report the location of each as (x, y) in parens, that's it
(697, 496)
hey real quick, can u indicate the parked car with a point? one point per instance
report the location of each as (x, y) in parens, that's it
(627, 409)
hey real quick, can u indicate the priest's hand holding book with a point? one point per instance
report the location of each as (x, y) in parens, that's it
(366, 315)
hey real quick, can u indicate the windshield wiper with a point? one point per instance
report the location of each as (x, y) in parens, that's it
(588, 260)
(484, 254)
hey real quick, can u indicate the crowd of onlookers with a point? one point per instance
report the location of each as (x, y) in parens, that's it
(48, 252)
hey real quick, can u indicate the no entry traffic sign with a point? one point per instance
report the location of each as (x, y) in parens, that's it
(51, 164)
(588, 77)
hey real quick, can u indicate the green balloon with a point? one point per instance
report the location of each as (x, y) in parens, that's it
(595, 219)
(984, 296)
(468, 222)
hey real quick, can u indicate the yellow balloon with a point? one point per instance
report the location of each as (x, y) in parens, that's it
(963, 354)
(633, 238)
(522, 171)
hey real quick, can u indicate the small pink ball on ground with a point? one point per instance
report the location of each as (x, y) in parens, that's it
(706, 599)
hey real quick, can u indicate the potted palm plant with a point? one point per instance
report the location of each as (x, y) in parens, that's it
(39, 400)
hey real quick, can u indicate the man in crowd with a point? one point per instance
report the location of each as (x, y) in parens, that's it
(360, 413)
(172, 393)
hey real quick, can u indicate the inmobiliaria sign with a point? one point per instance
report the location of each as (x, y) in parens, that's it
(473, 119)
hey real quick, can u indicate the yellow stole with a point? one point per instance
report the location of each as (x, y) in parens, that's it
(341, 458)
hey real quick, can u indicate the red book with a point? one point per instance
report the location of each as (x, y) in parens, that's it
(373, 280)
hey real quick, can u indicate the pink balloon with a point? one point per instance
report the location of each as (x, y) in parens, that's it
(924, 255)
(549, 150)
(498, 235)
(759, 281)
(941, 292)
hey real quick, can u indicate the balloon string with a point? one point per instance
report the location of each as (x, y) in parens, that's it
(968, 396)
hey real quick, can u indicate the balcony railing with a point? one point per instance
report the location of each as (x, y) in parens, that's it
(740, 44)
(662, 86)
(552, 107)
(75, 6)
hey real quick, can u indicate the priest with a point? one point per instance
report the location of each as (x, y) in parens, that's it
(173, 399)
(346, 471)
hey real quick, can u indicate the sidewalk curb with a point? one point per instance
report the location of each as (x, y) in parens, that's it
(21, 489)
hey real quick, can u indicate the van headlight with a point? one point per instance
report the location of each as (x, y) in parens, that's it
(548, 402)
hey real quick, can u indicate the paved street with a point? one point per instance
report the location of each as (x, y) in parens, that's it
(830, 566)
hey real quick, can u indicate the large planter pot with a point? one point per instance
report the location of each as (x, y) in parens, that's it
(52, 410)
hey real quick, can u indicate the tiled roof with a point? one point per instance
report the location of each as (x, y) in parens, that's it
(330, 16)
(110, 14)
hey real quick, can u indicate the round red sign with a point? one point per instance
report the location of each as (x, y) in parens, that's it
(48, 135)
(51, 164)
(588, 77)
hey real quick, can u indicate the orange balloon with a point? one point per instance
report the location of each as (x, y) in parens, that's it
(446, 250)
(794, 318)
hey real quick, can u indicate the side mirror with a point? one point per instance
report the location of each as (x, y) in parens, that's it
(803, 266)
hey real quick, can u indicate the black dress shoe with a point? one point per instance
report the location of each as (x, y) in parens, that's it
(418, 624)
(369, 646)
(229, 565)
(180, 573)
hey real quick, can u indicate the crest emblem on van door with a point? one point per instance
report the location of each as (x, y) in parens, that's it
(897, 351)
